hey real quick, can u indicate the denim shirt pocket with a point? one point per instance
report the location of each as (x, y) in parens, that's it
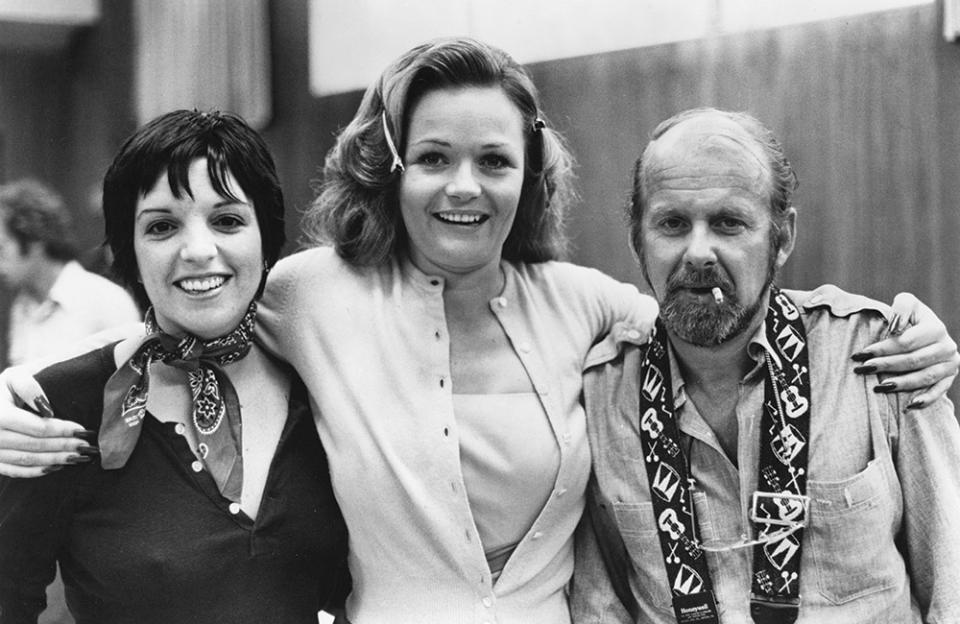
(851, 535)
(638, 529)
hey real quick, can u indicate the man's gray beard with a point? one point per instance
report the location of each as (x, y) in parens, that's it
(711, 324)
(708, 325)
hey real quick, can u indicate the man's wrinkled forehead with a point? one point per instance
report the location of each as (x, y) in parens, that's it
(709, 150)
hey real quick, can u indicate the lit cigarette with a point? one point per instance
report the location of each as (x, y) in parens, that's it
(717, 295)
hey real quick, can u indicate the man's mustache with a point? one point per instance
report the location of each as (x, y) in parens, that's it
(709, 277)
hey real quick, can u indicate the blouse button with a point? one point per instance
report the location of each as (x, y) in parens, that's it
(502, 302)
(234, 508)
(633, 334)
(487, 602)
(538, 535)
(197, 466)
(524, 347)
(180, 429)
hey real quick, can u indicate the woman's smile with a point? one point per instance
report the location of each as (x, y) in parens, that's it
(461, 218)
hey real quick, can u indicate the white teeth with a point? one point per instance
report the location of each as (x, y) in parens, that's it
(453, 217)
(202, 285)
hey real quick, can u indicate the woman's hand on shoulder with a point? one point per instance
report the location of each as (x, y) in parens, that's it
(918, 353)
(31, 445)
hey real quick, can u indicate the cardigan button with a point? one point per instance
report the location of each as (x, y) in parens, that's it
(197, 466)
(234, 508)
(180, 428)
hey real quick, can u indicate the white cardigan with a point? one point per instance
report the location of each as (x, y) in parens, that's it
(373, 348)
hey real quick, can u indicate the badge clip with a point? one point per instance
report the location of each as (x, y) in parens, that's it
(780, 509)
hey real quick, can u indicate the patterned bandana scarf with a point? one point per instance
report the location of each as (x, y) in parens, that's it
(214, 399)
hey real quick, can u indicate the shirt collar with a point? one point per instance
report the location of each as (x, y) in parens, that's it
(435, 283)
(69, 277)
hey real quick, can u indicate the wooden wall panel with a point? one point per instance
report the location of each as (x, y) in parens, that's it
(855, 103)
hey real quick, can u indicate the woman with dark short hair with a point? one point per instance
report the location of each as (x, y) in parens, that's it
(184, 515)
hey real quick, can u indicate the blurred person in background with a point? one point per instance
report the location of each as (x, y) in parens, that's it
(56, 300)
(53, 299)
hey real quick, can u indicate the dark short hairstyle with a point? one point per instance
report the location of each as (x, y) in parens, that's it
(35, 213)
(358, 210)
(782, 177)
(169, 144)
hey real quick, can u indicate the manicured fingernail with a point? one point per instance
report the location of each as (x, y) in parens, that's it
(86, 449)
(78, 459)
(861, 356)
(85, 434)
(865, 370)
(49, 469)
(885, 388)
(915, 404)
(43, 406)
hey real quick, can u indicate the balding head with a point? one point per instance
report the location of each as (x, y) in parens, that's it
(709, 145)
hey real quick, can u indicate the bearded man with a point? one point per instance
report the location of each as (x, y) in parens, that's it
(743, 469)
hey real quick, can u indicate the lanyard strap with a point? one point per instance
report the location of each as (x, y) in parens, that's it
(780, 500)
(669, 480)
(781, 497)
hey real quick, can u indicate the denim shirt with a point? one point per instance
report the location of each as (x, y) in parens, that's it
(882, 542)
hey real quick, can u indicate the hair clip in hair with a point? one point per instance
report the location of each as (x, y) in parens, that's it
(539, 124)
(211, 117)
(397, 164)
